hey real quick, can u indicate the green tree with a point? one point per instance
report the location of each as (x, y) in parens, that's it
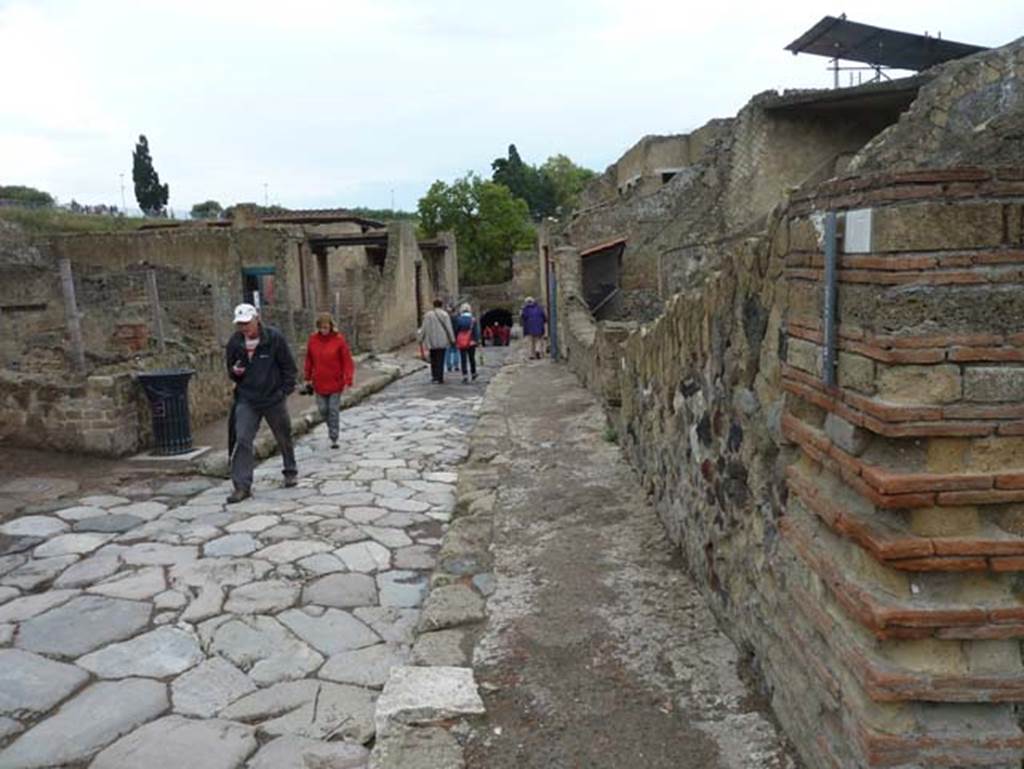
(26, 196)
(568, 180)
(525, 182)
(209, 209)
(489, 222)
(152, 195)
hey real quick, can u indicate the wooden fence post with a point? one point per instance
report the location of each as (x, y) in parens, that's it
(154, 305)
(74, 321)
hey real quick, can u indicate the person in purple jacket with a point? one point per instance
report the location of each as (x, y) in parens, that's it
(534, 322)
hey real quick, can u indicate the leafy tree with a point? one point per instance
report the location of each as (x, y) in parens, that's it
(525, 182)
(152, 195)
(209, 209)
(489, 222)
(25, 196)
(568, 179)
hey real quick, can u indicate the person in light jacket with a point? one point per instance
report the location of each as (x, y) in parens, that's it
(534, 322)
(436, 335)
(329, 369)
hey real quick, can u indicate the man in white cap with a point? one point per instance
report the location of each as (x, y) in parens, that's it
(264, 372)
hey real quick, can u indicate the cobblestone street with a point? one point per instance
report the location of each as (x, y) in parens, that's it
(168, 629)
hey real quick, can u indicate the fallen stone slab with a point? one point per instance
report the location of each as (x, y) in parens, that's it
(207, 689)
(82, 625)
(426, 695)
(30, 684)
(451, 606)
(290, 752)
(166, 651)
(92, 720)
(314, 709)
(417, 747)
(175, 741)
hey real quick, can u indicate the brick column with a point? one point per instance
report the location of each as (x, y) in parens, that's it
(904, 531)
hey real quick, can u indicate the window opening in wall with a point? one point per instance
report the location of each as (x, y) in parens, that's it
(377, 256)
(666, 176)
(11, 309)
(258, 286)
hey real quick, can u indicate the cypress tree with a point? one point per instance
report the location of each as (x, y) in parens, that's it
(152, 195)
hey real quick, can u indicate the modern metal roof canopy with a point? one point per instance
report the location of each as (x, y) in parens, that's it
(838, 38)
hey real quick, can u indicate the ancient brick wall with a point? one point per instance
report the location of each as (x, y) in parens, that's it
(863, 542)
(45, 402)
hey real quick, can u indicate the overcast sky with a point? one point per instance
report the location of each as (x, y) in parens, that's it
(334, 103)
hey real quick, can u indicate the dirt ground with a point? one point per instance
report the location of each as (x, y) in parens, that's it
(599, 651)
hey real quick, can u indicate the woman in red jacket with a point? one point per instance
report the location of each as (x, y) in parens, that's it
(329, 369)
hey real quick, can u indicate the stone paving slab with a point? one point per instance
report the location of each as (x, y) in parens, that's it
(276, 620)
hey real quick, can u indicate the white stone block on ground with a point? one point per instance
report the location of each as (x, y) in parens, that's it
(174, 742)
(425, 695)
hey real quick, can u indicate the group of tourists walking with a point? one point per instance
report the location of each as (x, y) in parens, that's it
(262, 367)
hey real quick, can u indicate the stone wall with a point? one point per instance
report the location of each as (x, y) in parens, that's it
(862, 542)
(47, 403)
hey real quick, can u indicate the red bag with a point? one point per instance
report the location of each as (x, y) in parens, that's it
(464, 339)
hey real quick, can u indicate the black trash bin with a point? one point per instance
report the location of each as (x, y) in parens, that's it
(167, 390)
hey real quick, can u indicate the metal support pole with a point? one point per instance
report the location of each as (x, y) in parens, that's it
(828, 372)
(74, 322)
(154, 305)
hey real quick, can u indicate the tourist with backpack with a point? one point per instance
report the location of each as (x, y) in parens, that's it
(467, 337)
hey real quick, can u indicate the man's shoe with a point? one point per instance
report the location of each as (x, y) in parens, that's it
(474, 377)
(334, 444)
(465, 380)
(290, 481)
(238, 495)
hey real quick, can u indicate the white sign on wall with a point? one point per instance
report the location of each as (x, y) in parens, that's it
(857, 237)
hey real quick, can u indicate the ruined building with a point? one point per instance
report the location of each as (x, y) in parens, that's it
(842, 467)
(162, 297)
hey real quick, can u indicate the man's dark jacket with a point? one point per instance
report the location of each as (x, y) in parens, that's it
(270, 376)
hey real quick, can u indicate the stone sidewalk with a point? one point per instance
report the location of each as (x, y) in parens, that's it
(172, 630)
(597, 650)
